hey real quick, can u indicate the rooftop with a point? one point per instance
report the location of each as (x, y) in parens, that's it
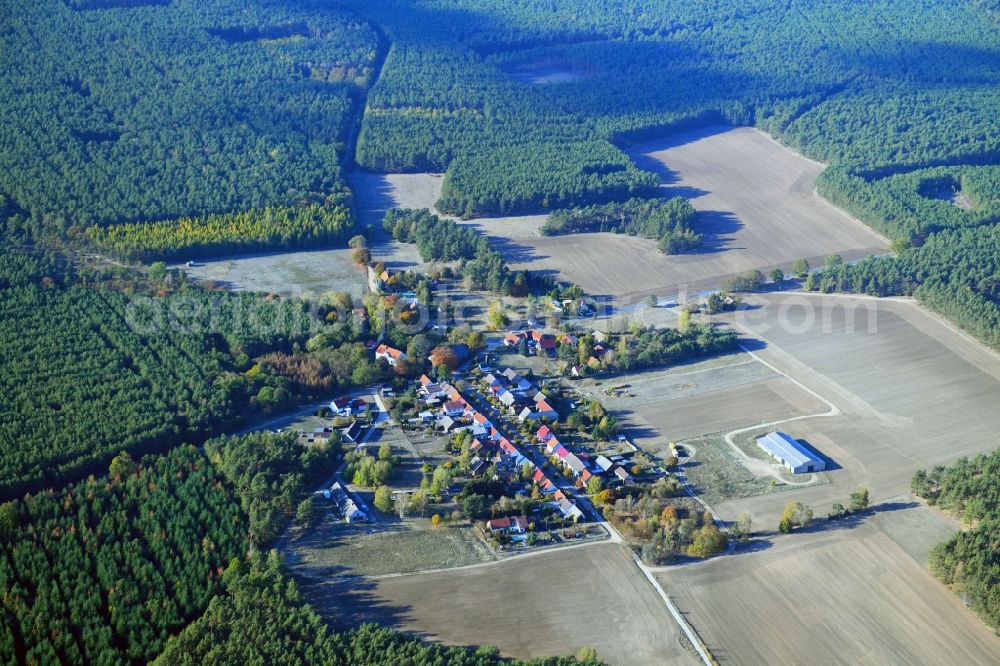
(786, 448)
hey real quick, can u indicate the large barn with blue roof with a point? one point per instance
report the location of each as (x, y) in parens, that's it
(790, 453)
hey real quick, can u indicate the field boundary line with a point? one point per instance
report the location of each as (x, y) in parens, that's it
(480, 565)
(815, 191)
(834, 410)
(689, 631)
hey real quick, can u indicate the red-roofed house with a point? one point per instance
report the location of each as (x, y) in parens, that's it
(541, 410)
(342, 406)
(391, 355)
(515, 525)
(513, 339)
(543, 433)
(454, 408)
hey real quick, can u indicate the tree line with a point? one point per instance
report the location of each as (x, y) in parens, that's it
(969, 489)
(668, 221)
(442, 239)
(291, 228)
(953, 272)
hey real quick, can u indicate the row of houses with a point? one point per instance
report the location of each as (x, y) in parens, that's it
(538, 342)
(448, 410)
(519, 397)
(578, 467)
(489, 447)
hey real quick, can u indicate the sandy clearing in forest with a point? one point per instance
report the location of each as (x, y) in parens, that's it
(757, 209)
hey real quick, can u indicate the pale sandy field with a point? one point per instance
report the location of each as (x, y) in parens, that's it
(757, 209)
(850, 596)
(551, 603)
(912, 394)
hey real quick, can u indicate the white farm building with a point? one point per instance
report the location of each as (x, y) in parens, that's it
(786, 450)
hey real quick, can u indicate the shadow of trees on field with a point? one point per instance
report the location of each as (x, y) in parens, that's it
(822, 524)
(515, 252)
(717, 228)
(346, 601)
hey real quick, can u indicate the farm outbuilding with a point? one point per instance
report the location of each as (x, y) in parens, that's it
(790, 453)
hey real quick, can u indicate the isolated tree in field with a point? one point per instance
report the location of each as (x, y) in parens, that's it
(744, 526)
(361, 256)
(595, 410)
(383, 499)
(746, 281)
(357, 242)
(800, 267)
(777, 276)
(304, 512)
(859, 500)
(435, 520)
(796, 514)
(652, 300)
(476, 341)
